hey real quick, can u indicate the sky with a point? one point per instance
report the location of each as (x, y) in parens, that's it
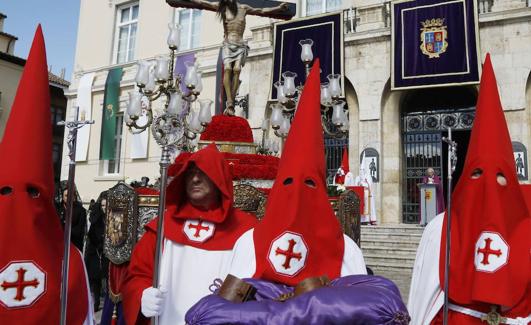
(59, 20)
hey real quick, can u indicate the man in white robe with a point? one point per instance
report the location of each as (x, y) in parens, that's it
(489, 238)
(200, 230)
(368, 216)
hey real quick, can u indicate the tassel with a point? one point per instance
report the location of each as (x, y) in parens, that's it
(114, 320)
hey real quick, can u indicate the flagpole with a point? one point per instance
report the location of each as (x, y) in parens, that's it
(73, 126)
(452, 161)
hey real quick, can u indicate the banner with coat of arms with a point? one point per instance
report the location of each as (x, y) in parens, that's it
(434, 43)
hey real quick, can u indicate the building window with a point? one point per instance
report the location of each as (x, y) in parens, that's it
(126, 27)
(190, 20)
(315, 7)
(57, 149)
(56, 116)
(112, 167)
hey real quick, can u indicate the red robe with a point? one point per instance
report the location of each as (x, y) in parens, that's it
(227, 222)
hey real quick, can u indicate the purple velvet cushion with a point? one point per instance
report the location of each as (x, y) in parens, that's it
(355, 299)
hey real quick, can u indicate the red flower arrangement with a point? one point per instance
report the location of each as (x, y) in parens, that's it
(243, 166)
(146, 191)
(228, 128)
(248, 166)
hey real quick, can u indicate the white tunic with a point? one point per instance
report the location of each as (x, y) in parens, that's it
(425, 295)
(89, 320)
(186, 273)
(369, 197)
(244, 259)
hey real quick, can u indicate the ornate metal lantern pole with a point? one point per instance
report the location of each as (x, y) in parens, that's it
(175, 126)
(335, 124)
(73, 126)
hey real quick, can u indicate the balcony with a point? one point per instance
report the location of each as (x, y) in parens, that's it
(360, 19)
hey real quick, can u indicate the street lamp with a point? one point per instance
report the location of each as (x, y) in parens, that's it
(267, 146)
(176, 125)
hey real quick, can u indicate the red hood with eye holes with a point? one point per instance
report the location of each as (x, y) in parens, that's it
(490, 223)
(299, 226)
(31, 237)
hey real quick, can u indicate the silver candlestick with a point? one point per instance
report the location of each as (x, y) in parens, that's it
(175, 126)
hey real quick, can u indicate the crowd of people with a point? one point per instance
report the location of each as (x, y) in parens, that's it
(87, 235)
(220, 265)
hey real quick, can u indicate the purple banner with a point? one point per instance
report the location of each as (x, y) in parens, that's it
(180, 68)
(434, 43)
(327, 35)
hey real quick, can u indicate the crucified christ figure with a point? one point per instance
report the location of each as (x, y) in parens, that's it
(232, 14)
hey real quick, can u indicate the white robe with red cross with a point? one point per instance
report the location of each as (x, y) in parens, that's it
(243, 264)
(187, 273)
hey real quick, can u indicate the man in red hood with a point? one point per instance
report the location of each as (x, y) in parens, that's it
(490, 238)
(200, 229)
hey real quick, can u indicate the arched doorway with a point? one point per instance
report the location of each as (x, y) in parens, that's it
(426, 115)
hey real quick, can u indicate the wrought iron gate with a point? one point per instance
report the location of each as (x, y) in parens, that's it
(422, 142)
(333, 153)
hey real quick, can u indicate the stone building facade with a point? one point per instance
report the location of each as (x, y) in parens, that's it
(11, 67)
(10, 71)
(378, 116)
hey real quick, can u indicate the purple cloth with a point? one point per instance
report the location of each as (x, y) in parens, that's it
(355, 299)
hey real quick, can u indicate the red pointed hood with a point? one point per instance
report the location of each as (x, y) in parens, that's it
(299, 236)
(490, 222)
(31, 237)
(211, 162)
(344, 161)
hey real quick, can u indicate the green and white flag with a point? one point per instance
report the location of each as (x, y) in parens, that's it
(111, 106)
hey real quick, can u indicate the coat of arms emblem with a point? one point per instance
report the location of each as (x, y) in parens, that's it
(433, 35)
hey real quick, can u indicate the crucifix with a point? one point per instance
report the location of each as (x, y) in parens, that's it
(232, 14)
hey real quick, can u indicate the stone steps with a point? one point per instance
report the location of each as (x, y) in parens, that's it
(395, 229)
(389, 243)
(397, 237)
(389, 260)
(390, 252)
(380, 250)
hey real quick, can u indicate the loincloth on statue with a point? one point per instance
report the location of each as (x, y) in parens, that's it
(233, 52)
